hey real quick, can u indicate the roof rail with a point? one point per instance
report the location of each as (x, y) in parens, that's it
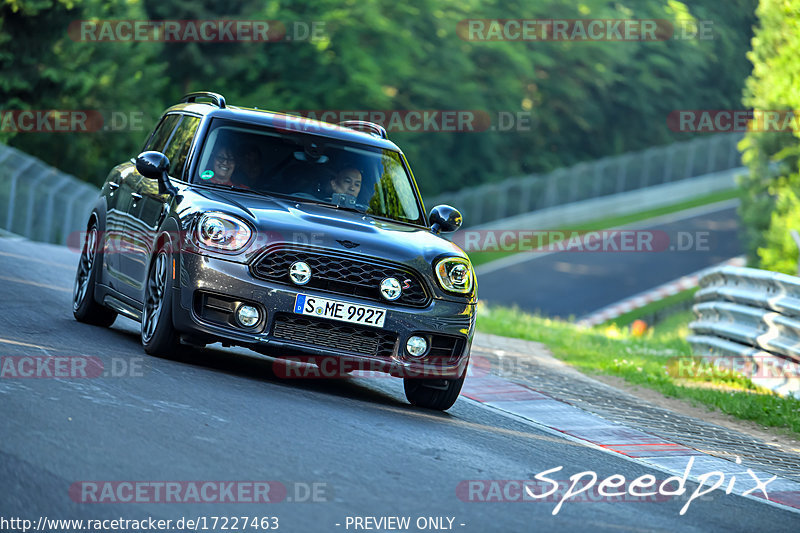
(367, 127)
(218, 99)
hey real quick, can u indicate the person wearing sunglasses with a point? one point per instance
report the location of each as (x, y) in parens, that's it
(223, 163)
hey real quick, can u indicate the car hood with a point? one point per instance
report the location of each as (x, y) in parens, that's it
(307, 223)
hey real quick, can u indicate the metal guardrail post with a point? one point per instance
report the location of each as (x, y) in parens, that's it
(502, 191)
(598, 178)
(48, 228)
(31, 197)
(70, 203)
(622, 172)
(690, 161)
(12, 194)
(667, 175)
(645, 178)
(526, 186)
(712, 152)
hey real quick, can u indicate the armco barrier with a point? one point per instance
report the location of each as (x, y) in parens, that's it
(608, 176)
(749, 319)
(38, 201)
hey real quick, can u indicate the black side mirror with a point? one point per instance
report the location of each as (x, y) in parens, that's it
(154, 166)
(444, 218)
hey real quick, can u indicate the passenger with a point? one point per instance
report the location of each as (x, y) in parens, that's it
(348, 181)
(250, 166)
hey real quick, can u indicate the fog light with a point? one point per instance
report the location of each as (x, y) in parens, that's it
(416, 346)
(247, 315)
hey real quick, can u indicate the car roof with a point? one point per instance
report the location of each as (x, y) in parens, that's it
(284, 121)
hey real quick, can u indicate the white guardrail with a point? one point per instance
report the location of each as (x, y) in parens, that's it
(749, 320)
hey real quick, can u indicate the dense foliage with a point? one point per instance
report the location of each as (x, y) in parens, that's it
(770, 207)
(584, 99)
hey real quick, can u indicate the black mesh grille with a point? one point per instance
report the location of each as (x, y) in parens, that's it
(334, 335)
(445, 348)
(341, 275)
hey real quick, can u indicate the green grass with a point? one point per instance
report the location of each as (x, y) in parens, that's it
(661, 359)
(652, 312)
(482, 257)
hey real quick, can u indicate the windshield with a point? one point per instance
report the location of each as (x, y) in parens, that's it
(308, 168)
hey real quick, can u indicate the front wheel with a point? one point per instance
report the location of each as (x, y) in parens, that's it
(158, 334)
(439, 394)
(84, 307)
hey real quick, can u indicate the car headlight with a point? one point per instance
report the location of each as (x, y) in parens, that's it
(219, 231)
(455, 275)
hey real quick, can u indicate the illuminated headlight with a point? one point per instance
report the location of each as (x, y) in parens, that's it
(247, 315)
(455, 275)
(222, 232)
(416, 346)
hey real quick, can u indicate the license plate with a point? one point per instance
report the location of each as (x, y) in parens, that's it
(356, 314)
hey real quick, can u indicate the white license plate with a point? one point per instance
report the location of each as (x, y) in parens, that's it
(322, 307)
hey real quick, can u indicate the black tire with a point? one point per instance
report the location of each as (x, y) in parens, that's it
(158, 333)
(84, 307)
(438, 394)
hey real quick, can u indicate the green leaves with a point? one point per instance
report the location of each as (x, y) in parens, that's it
(581, 100)
(770, 206)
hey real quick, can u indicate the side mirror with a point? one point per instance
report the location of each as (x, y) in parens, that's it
(154, 166)
(444, 218)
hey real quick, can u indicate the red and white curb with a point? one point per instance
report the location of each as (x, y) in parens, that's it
(653, 295)
(577, 425)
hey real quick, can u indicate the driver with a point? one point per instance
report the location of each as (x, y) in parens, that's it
(348, 181)
(223, 163)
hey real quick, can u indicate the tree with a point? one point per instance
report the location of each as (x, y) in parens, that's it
(769, 205)
(44, 68)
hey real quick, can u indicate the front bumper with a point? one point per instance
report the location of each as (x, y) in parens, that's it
(201, 275)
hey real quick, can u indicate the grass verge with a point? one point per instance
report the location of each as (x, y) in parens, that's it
(655, 311)
(483, 257)
(661, 359)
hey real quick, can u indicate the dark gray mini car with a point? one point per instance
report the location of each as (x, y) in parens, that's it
(298, 239)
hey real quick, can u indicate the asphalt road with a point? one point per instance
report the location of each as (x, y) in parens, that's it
(568, 284)
(225, 416)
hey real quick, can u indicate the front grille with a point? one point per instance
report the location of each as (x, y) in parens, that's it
(334, 335)
(340, 275)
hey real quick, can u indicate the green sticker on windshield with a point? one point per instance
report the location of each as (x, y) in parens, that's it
(207, 175)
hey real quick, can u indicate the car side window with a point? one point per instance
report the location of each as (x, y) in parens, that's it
(178, 148)
(162, 134)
